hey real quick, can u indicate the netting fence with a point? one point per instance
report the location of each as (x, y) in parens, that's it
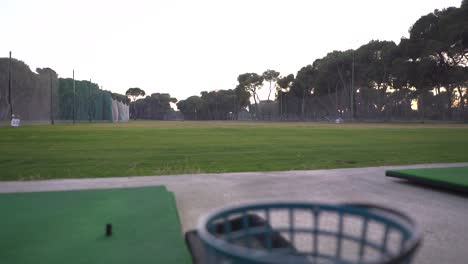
(42, 97)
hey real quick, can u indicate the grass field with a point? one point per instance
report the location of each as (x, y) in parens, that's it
(156, 148)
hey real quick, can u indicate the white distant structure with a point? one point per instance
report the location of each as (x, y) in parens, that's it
(15, 121)
(120, 111)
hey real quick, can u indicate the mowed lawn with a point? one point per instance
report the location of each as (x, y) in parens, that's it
(172, 147)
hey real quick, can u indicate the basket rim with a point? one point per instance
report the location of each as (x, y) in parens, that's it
(393, 217)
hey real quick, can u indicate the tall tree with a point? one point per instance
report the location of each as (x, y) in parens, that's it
(251, 82)
(436, 44)
(374, 62)
(270, 76)
(304, 85)
(401, 71)
(283, 85)
(243, 98)
(333, 73)
(327, 77)
(133, 94)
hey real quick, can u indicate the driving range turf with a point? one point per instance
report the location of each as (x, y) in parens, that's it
(69, 227)
(454, 178)
(178, 147)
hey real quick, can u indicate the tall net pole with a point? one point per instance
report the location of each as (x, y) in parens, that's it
(103, 102)
(352, 89)
(73, 96)
(51, 99)
(89, 101)
(9, 88)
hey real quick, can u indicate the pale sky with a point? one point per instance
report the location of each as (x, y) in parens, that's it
(185, 47)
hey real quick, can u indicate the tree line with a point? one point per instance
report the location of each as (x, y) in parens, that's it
(156, 106)
(424, 76)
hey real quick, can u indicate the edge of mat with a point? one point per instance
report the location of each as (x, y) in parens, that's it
(425, 181)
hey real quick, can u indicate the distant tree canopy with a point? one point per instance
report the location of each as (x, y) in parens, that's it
(284, 83)
(134, 93)
(214, 105)
(251, 83)
(156, 106)
(424, 76)
(270, 76)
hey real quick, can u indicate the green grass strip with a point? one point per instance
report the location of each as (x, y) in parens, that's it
(160, 148)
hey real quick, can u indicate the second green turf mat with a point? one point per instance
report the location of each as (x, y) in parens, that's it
(69, 227)
(454, 178)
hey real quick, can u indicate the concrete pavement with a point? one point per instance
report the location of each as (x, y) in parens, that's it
(443, 216)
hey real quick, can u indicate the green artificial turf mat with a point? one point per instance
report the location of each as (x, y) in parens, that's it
(69, 227)
(455, 178)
